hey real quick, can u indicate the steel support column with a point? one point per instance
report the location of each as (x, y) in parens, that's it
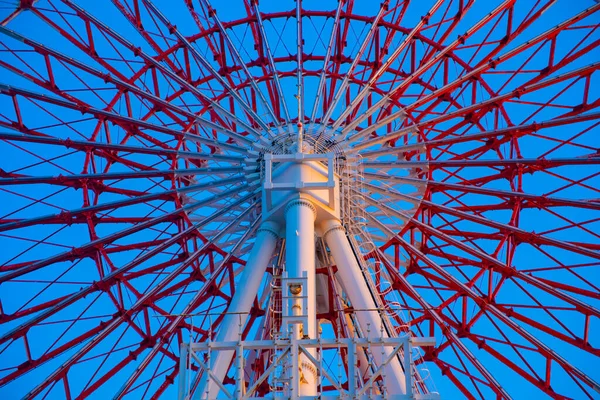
(300, 215)
(356, 288)
(242, 301)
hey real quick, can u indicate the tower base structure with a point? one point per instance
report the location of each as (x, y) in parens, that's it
(302, 204)
(346, 386)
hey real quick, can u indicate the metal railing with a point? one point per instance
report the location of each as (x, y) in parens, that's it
(193, 356)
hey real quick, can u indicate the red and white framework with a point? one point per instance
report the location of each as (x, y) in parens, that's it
(134, 141)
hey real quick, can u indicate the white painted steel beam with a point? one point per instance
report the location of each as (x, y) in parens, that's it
(235, 319)
(349, 272)
(401, 346)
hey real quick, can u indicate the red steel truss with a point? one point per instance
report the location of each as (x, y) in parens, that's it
(127, 203)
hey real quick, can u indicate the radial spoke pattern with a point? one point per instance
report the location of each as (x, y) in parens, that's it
(132, 136)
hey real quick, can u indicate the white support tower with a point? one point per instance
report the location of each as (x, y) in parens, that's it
(301, 204)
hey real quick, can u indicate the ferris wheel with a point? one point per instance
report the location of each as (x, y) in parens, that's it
(299, 199)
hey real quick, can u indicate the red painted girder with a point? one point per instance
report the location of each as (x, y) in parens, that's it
(492, 102)
(262, 45)
(31, 310)
(353, 108)
(128, 276)
(30, 136)
(437, 56)
(340, 43)
(32, 364)
(155, 62)
(78, 180)
(66, 216)
(13, 14)
(90, 147)
(452, 258)
(570, 288)
(347, 15)
(91, 247)
(136, 22)
(99, 334)
(538, 200)
(244, 84)
(442, 53)
(488, 63)
(219, 77)
(84, 219)
(120, 277)
(92, 54)
(482, 344)
(494, 145)
(75, 179)
(120, 83)
(486, 305)
(523, 235)
(549, 288)
(227, 44)
(446, 370)
(447, 332)
(160, 338)
(127, 123)
(574, 341)
(106, 375)
(535, 163)
(71, 215)
(509, 132)
(271, 15)
(94, 185)
(110, 279)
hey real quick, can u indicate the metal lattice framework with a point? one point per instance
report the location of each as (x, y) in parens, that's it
(132, 134)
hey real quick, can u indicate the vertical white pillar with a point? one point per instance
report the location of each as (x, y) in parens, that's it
(354, 283)
(250, 279)
(300, 215)
(183, 366)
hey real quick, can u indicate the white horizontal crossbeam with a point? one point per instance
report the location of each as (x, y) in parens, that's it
(285, 345)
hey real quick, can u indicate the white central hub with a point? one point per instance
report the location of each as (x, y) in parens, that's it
(307, 191)
(300, 176)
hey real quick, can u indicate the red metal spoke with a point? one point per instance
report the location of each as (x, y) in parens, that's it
(126, 122)
(536, 199)
(153, 63)
(447, 332)
(486, 306)
(506, 133)
(74, 179)
(509, 271)
(417, 31)
(515, 276)
(584, 71)
(85, 250)
(489, 62)
(124, 87)
(108, 326)
(124, 272)
(524, 235)
(198, 298)
(98, 148)
(181, 38)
